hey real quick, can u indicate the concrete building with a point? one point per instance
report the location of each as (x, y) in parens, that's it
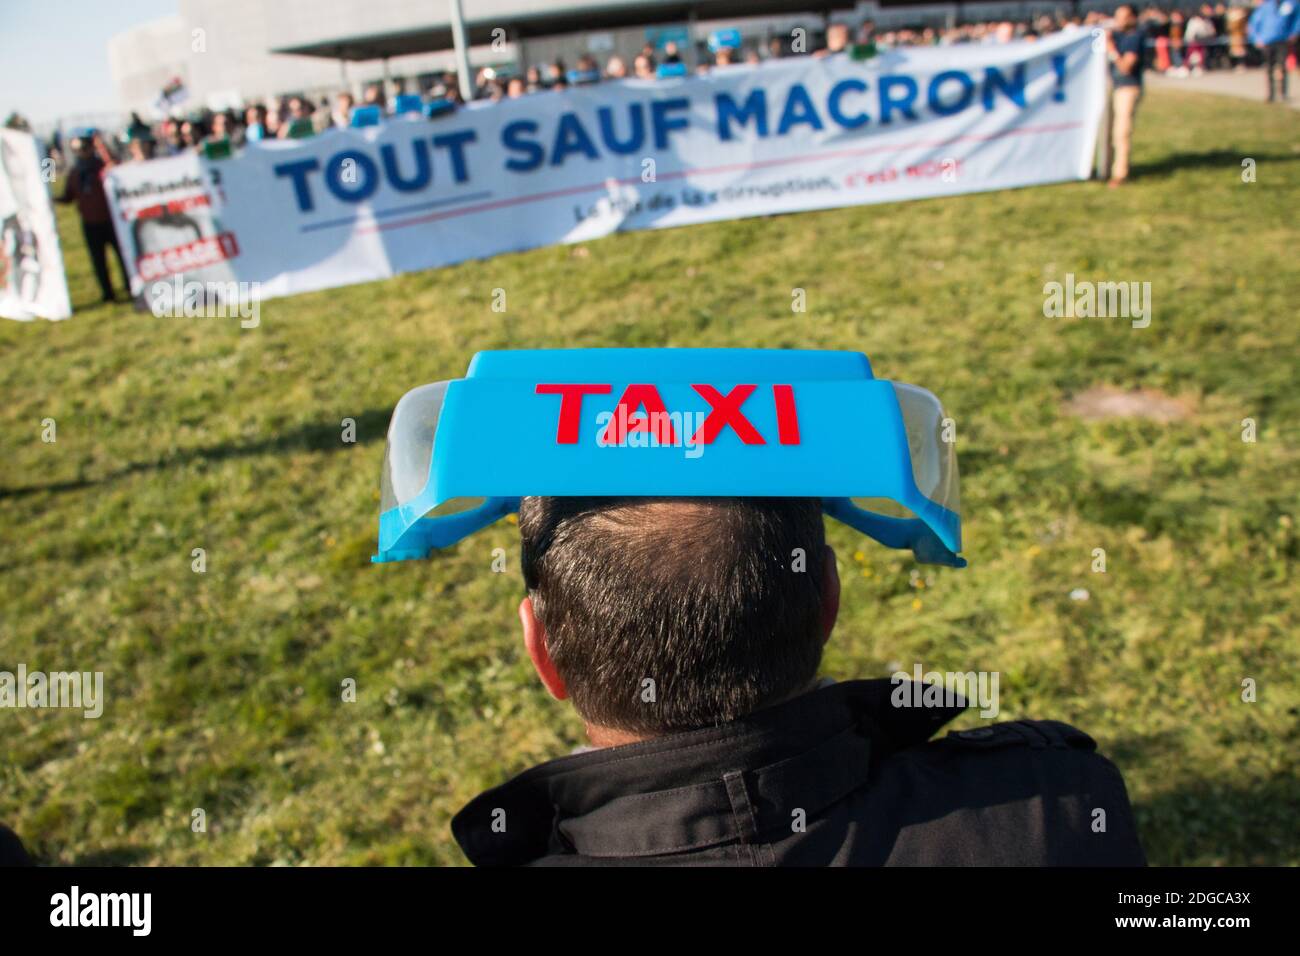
(226, 52)
(229, 51)
(221, 50)
(144, 60)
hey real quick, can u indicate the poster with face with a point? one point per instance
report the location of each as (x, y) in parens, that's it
(167, 213)
(32, 282)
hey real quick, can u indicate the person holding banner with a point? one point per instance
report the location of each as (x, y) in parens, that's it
(341, 117)
(1127, 43)
(85, 187)
(837, 40)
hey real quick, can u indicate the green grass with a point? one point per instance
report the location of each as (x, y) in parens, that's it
(224, 687)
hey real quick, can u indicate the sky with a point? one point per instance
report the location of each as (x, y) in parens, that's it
(54, 53)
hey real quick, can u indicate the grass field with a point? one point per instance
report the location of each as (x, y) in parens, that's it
(224, 687)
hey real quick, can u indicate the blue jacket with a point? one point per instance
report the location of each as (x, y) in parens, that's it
(1274, 21)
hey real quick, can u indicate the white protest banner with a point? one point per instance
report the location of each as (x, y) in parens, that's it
(32, 283)
(796, 134)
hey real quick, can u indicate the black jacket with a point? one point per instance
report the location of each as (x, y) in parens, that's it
(835, 777)
(12, 851)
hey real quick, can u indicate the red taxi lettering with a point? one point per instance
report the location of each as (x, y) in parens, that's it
(571, 407)
(623, 423)
(724, 412)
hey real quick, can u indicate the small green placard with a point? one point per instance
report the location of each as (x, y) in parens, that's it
(217, 148)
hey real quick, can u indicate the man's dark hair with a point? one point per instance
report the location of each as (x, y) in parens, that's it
(709, 598)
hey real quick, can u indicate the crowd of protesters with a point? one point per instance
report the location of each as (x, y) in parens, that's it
(1215, 36)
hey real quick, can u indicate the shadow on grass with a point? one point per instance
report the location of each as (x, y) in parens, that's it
(371, 426)
(1205, 821)
(1212, 159)
(1131, 751)
(112, 856)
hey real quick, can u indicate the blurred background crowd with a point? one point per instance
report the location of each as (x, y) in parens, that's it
(1178, 42)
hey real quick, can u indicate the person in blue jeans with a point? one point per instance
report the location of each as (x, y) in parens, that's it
(1272, 27)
